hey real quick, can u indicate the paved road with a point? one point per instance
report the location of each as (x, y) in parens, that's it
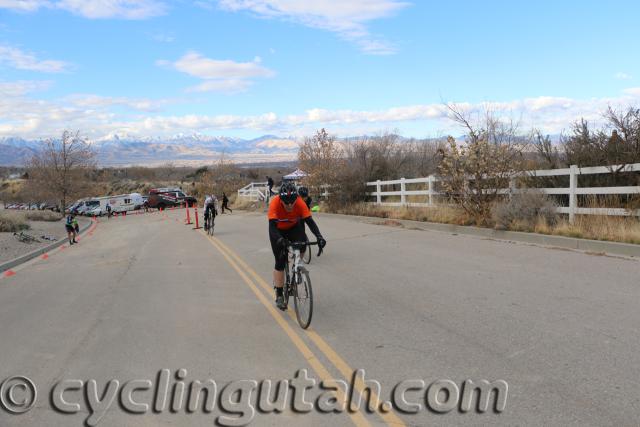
(148, 293)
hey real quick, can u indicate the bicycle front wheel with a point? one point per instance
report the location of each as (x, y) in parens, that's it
(307, 255)
(303, 298)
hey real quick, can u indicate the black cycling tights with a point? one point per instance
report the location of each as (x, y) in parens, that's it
(295, 234)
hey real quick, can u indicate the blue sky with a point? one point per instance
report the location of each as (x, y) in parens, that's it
(252, 67)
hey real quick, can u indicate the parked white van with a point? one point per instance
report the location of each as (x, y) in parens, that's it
(125, 202)
(119, 203)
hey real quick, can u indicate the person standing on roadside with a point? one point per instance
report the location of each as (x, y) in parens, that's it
(304, 193)
(270, 185)
(69, 225)
(225, 203)
(108, 208)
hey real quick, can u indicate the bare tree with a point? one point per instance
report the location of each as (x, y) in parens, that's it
(475, 170)
(60, 168)
(223, 176)
(548, 154)
(320, 156)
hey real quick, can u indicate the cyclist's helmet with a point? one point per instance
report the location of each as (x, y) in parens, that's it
(303, 192)
(288, 193)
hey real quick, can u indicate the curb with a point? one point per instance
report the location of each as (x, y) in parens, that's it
(29, 256)
(586, 245)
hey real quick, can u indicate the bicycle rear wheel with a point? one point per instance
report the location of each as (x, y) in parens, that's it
(303, 298)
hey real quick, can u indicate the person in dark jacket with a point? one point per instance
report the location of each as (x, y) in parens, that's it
(304, 193)
(70, 226)
(270, 185)
(225, 203)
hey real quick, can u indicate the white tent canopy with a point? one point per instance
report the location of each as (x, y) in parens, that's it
(295, 175)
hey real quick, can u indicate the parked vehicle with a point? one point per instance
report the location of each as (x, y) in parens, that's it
(95, 211)
(123, 202)
(162, 198)
(76, 207)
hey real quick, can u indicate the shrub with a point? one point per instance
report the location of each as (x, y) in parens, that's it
(12, 223)
(43, 216)
(523, 211)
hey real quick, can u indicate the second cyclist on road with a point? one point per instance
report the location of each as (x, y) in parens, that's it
(210, 210)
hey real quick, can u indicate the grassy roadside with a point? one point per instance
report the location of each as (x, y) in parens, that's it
(18, 220)
(606, 228)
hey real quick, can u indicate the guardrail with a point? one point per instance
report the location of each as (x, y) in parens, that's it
(254, 191)
(572, 191)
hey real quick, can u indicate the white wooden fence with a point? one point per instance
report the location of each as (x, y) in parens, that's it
(259, 191)
(254, 191)
(572, 191)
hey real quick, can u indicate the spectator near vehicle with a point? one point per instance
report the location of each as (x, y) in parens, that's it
(162, 198)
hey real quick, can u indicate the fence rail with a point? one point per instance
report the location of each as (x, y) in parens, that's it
(572, 191)
(254, 191)
(259, 191)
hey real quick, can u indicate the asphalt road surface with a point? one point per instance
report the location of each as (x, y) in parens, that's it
(423, 311)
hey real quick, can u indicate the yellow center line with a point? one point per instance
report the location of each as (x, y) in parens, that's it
(357, 417)
(390, 418)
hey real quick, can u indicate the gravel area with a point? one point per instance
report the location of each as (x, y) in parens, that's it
(11, 248)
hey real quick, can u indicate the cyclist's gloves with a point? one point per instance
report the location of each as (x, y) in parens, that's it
(321, 242)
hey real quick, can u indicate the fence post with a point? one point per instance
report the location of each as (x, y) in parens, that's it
(512, 186)
(403, 189)
(430, 190)
(573, 185)
(378, 196)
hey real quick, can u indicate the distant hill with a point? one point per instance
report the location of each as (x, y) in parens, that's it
(193, 149)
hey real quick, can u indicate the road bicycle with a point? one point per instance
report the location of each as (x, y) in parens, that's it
(25, 238)
(209, 224)
(297, 282)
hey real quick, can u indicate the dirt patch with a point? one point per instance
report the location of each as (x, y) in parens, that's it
(11, 247)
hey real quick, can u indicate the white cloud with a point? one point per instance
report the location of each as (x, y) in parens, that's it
(96, 101)
(22, 87)
(228, 86)
(93, 9)
(219, 75)
(23, 5)
(347, 18)
(196, 65)
(163, 38)
(96, 116)
(16, 58)
(622, 76)
(633, 91)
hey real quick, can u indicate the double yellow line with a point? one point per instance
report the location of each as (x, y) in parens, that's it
(254, 281)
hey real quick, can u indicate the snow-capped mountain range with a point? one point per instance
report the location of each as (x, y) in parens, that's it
(179, 149)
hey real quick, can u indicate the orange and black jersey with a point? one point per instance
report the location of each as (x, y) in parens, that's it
(281, 220)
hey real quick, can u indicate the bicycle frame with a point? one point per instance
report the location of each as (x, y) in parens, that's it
(292, 267)
(292, 273)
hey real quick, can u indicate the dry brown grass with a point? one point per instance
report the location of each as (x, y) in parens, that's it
(615, 229)
(442, 214)
(9, 222)
(245, 204)
(609, 228)
(42, 216)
